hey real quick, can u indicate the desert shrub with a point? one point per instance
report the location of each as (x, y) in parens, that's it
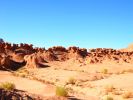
(22, 75)
(104, 71)
(7, 86)
(23, 70)
(71, 80)
(61, 91)
(107, 97)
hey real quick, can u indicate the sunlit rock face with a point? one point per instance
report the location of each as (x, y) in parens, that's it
(14, 56)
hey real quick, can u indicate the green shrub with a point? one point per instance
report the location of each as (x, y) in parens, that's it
(7, 86)
(61, 91)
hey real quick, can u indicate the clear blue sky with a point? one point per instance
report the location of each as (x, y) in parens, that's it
(83, 23)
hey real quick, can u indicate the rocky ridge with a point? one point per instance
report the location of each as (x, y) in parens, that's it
(14, 56)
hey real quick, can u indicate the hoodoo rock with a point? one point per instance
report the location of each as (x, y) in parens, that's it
(57, 49)
(77, 52)
(31, 61)
(49, 56)
(57, 53)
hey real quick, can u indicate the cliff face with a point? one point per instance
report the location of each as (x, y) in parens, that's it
(14, 56)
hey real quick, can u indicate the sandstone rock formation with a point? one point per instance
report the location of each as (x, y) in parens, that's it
(99, 55)
(77, 52)
(6, 63)
(35, 61)
(13, 56)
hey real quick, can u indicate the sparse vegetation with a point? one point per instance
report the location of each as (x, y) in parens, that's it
(22, 75)
(107, 97)
(23, 70)
(104, 71)
(71, 80)
(61, 91)
(7, 86)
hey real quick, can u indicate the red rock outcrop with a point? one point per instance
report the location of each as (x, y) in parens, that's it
(77, 52)
(35, 60)
(58, 53)
(99, 55)
(6, 63)
(12, 56)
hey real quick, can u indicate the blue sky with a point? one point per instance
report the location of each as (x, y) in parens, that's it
(83, 23)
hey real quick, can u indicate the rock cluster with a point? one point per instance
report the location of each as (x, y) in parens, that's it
(80, 51)
(4, 46)
(13, 95)
(100, 54)
(13, 56)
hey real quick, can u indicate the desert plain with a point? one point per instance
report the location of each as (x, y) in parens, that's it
(59, 73)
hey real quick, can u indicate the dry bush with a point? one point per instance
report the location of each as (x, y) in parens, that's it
(104, 71)
(61, 91)
(107, 97)
(7, 86)
(71, 80)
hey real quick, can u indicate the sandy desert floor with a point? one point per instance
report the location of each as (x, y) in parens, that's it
(85, 82)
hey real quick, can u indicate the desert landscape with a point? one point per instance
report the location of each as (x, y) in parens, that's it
(66, 49)
(58, 73)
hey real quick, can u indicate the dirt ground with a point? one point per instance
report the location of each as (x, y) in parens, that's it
(85, 82)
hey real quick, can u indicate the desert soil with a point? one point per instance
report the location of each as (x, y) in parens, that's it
(91, 83)
(30, 86)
